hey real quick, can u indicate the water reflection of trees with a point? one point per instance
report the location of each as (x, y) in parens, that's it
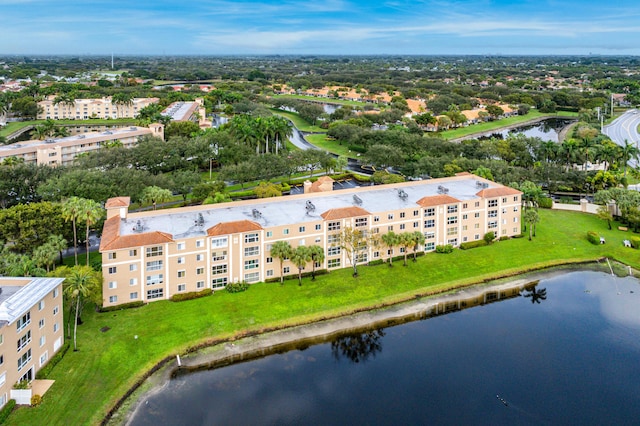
(536, 295)
(358, 347)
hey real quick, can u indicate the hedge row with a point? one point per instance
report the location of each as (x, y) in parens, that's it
(635, 242)
(444, 248)
(473, 244)
(545, 202)
(181, 297)
(6, 410)
(295, 276)
(237, 287)
(123, 306)
(46, 370)
(593, 237)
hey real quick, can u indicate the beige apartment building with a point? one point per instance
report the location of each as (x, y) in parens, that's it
(153, 255)
(193, 111)
(62, 151)
(30, 328)
(84, 109)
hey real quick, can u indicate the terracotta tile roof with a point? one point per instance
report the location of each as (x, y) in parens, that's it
(111, 239)
(236, 227)
(344, 212)
(497, 192)
(118, 202)
(437, 200)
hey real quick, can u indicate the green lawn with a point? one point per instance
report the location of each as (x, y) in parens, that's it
(299, 122)
(493, 125)
(17, 125)
(333, 146)
(90, 381)
(322, 100)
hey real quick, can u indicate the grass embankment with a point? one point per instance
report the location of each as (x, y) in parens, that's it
(498, 124)
(17, 125)
(299, 122)
(331, 145)
(90, 381)
(321, 100)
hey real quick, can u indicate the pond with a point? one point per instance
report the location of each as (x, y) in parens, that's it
(546, 130)
(562, 351)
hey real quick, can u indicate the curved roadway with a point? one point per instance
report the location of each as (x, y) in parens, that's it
(624, 128)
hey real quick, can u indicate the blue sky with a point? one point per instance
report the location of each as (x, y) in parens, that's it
(221, 27)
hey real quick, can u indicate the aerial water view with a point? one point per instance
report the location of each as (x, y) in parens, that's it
(319, 213)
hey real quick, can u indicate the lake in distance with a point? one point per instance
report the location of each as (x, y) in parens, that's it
(568, 355)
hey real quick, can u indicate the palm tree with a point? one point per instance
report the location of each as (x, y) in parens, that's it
(61, 132)
(24, 266)
(317, 256)
(570, 149)
(405, 240)
(59, 243)
(155, 195)
(605, 214)
(536, 295)
(282, 130)
(418, 240)
(121, 99)
(80, 282)
(70, 212)
(300, 257)
(90, 212)
(531, 217)
(282, 250)
(628, 152)
(45, 256)
(390, 239)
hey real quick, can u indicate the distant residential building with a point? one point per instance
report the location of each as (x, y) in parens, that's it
(62, 151)
(84, 109)
(188, 111)
(30, 328)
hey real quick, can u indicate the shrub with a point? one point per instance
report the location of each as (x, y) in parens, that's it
(22, 384)
(635, 242)
(545, 202)
(44, 372)
(448, 248)
(123, 306)
(357, 148)
(489, 237)
(376, 262)
(473, 244)
(518, 236)
(180, 297)
(593, 237)
(6, 410)
(504, 238)
(237, 287)
(36, 400)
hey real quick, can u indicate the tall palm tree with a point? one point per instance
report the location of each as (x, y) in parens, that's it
(317, 256)
(71, 209)
(24, 266)
(418, 240)
(282, 129)
(80, 282)
(90, 212)
(121, 99)
(570, 149)
(282, 250)
(628, 152)
(44, 256)
(405, 240)
(531, 217)
(300, 257)
(390, 239)
(59, 243)
(155, 195)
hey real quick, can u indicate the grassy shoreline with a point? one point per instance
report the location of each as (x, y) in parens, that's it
(92, 381)
(14, 126)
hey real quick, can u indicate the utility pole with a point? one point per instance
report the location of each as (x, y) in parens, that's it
(112, 60)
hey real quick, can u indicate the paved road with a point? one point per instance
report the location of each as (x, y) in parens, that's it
(625, 128)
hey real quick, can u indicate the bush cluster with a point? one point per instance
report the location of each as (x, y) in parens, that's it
(593, 237)
(444, 248)
(123, 306)
(6, 410)
(473, 244)
(545, 202)
(489, 237)
(180, 297)
(237, 287)
(36, 400)
(44, 372)
(635, 242)
(295, 276)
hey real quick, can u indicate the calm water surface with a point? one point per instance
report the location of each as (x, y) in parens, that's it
(545, 130)
(571, 357)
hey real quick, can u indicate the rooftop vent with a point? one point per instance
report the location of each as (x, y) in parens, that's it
(310, 206)
(81, 136)
(403, 195)
(481, 184)
(49, 141)
(138, 227)
(200, 220)
(256, 213)
(133, 128)
(357, 200)
(442, 190)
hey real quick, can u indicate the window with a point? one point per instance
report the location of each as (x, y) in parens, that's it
(429, 246)
(252, 277)
(133, 253)
(154, 265)
(285, 231)
(416, 212)
(452, 231)
(390, 216)
(430, 223)
(515, 230)
(332, 239)
(451, 220)
(452, 209)
(182, 287)
(199, 243)
(217, 256)
(154, 251)
(504, 199)
(200, 271)
(56, 327)
(429, 235)
(286, 270)
(199, 257)
(133, 281)
(361, 221)
(492, 213)
(301, 242)
(493, 203)
(402, 250)
(24, 359)
(156, 293)
(55, 294)
(389, 228)
(416, 224)
(515, 220)
(269, 272)
(476, 237)
(41, 305)
(376, 218)
(23, 322)
(269, 260)
(515, 198)
(401, 215)
(56, 309)
(318, 227)
(333, 263)
(465, 205)
(111, 256)
(133, 267)
(181, 260)
(252, 251)
(113, 284)
(402, 226)
(269, 234)
(200, 284)
(219, 242)
(301, 229)
(43, 358)
(218, 282)
(430, 211)
(493, 224)
(333, 226)
(155, 279)
(476, 226)
(181, 246)
(362, 257)
(24, 340)
(251, 264)
(453, 242)
(133, 296)
(477, 204)
(41, 323)
(333, 251)
(504, 210)
(219, 269)
(113, 269)
(465, 216)
(476, 215)
(251, 238)
(515, 208)
(182, 274)
(464, 227)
